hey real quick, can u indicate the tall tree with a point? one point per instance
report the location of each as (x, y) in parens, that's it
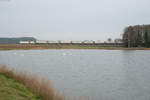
(131, 37)
(146, 39)
(109, 40)
(139, 38)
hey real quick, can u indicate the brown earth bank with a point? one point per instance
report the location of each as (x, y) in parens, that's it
(59, 46)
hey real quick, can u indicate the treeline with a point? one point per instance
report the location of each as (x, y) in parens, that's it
(15, 40)
(137, 36)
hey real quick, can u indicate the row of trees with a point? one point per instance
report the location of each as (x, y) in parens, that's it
(138, 35)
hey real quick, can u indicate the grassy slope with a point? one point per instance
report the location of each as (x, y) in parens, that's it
(12, 90)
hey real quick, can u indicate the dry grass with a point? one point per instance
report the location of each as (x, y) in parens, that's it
(46, 46)
(40, 86)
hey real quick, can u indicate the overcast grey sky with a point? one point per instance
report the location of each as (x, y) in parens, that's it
(71, 19)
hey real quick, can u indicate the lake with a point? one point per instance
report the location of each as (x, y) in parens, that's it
(100, 74)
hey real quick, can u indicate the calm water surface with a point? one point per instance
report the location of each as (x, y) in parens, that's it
(100, 74)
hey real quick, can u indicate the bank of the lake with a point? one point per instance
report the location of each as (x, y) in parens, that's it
(40, 47)
(22, 86)
(12, 90)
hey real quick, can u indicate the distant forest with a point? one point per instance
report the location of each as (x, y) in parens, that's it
(137, 36)
(15, 40)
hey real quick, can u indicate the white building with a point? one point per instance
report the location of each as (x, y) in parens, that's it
(63, 41)
(32, 42)
(88, 41)
(41, 41)
(118, 40)
(98, 41)
(24, 42)
(27, 42)
(76, 41)
(52, 42)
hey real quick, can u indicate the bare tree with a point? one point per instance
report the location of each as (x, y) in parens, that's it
(109, 40)
(129, 37)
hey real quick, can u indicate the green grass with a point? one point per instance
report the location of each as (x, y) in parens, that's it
(16, 85)
(12, 90)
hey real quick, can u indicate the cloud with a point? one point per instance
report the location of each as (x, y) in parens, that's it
(46, 18)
